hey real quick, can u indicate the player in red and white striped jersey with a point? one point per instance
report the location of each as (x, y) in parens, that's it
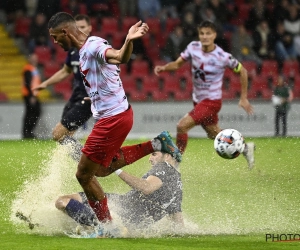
(102, 152)
(208, 63)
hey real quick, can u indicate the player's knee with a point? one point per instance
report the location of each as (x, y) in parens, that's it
(55, 136)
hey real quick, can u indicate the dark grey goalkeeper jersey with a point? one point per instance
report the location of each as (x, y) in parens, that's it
(136, 208)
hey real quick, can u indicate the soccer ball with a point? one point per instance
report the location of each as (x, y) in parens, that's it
(229, 143)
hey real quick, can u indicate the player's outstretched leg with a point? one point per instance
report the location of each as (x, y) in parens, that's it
(249, 154)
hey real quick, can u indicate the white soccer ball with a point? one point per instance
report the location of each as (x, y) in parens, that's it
(229, 143)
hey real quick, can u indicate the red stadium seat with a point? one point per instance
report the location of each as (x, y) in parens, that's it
(139, 68)
(60, 56)
(184, 69)
(171, 23)
(290, 68)
(269, 67)
(109, 25)
(51, 68)
(251, 67)
(243, 10)
(64, 88)
(154, 25)
(95, 24)
(127, 22)
(22, 26)
(259, 88)
(43, 53)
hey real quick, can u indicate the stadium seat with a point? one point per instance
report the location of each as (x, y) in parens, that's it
(235, 85)
(118, 40)
(51, 68)
(22, 27)
(184, 69)
(109, 25)
(43, 53)
(259, 88)
(153, 53)
(171, 23)
(95, 24)
(127, 22)
(183, 96)
(228, 95)
(290, 68)
(129, 83)
(154, 25)
(123, 68)
(243, 11)
(60, 56)
(136, 95)
(3, 97)
(251, 67)
(269, 67)
(64, 88)
(139, 68)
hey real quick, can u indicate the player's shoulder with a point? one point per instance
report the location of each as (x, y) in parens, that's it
(221, 53)
(194, 45)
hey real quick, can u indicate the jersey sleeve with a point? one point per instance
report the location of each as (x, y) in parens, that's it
(186, 54)
(98, 48)
(231, 62)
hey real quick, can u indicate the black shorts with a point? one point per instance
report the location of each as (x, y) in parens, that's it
(75, 114)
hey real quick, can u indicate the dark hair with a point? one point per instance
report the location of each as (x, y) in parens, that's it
(59, 18)
(207, 24)
(80, 17)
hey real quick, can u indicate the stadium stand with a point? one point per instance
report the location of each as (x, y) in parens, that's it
(107, 23)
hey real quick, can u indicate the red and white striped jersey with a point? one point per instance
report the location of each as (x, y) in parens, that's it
(207, 70)
(101, 79)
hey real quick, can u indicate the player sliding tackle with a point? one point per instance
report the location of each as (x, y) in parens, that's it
(156, 195)
(208, 62)
(99, 67)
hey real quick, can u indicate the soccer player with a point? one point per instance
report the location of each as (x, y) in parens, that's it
(99, 68)
(77, 111)
(156, 195)
(208, 62)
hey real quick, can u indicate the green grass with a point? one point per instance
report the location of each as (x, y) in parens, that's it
(234, 208)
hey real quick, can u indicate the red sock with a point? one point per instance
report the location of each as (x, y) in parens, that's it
(181, 141)
(101, 210)
(136, 152)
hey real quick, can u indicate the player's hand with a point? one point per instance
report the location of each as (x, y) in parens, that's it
(137, 30)
(244, 103)
(87, 99)
(158, 69)
(42, 86)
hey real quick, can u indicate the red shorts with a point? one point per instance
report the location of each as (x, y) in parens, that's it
(205, 113)
(107, 137)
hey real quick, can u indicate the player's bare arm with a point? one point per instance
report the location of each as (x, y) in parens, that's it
(244, 103)
(146, 186)
(60, 75)
(136, 31)
(171, 66)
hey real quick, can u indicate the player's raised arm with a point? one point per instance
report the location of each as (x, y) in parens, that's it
(57, 77)
(123, 55)
(171, 66)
